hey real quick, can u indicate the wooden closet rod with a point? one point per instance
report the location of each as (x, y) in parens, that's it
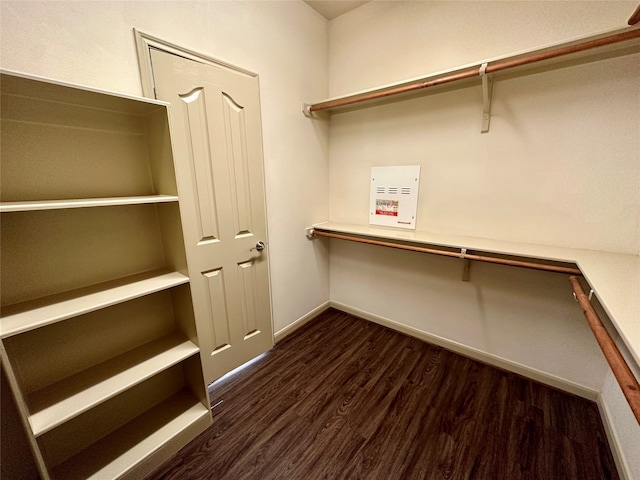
(635, 17)
(492, 67)
(465, 256)
(619, 367)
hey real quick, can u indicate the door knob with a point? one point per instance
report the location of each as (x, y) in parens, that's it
(259, 247)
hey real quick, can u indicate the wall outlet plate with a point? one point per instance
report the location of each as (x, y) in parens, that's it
(394, 196)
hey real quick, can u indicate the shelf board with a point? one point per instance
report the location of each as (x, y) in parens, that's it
(25, 316)
(57, 403)
(6, 207)
(614, 277)
(26, 85)
(626, 42)
(181, 418)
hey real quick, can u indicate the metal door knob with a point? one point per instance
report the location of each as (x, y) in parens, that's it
(259, 246)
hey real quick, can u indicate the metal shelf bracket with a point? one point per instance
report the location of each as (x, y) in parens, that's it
(487, 87)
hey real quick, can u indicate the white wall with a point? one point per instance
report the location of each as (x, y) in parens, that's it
(285, 42)
(386, 41)
(549, 171)
(517, 315)
(559, 166)
(547, 158)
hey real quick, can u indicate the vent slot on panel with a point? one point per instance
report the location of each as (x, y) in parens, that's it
(393, 190)
(380, 189)
(405, 190)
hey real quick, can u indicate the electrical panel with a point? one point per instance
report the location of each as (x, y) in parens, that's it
(394, 196)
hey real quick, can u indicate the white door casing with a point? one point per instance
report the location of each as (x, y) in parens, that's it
(217, 143)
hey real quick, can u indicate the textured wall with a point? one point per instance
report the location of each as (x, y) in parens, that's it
(92, 43)
(559, 166)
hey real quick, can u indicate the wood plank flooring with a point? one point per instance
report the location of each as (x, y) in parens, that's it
(344, 398)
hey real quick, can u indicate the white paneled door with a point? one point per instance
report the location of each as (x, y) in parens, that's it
(217, 141)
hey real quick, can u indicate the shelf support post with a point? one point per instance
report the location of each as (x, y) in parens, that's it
(487, 87)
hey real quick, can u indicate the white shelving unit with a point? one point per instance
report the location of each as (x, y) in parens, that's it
(97, 329)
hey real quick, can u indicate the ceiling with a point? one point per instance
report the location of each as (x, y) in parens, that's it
(331, 9)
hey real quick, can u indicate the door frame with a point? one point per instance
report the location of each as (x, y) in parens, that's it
(145, 42)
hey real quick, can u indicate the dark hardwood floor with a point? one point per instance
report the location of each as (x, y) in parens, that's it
(344, 398)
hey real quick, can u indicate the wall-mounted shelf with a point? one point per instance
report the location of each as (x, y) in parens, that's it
(614, 277)
(610, 44)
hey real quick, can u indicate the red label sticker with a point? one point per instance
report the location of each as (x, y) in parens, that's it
(388, 208)
(384, 212)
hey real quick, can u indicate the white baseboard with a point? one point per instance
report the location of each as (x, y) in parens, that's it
(292, 327)
(614, 441)
(474, 354)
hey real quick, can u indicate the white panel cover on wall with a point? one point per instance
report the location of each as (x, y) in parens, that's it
(394, 196)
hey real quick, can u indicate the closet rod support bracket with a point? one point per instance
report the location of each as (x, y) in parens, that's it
(487, 88)
(306, 110)
(466, 271)
(309, 232)
(591, 292)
